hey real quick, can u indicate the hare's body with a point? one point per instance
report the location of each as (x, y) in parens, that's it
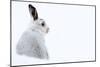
(32, 42)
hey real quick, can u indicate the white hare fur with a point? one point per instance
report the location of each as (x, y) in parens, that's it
(32, 42)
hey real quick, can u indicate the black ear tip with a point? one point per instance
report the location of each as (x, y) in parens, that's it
(30, 6)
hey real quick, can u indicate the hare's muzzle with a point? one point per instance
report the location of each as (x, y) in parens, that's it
(47, 30)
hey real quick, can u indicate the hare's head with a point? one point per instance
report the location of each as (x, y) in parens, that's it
(39, 24)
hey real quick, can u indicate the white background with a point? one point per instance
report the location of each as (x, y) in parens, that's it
(4, 35)
(71, 37)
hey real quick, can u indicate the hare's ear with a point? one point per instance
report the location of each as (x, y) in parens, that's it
(33, 12)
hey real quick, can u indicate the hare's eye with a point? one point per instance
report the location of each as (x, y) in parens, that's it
(43, 24)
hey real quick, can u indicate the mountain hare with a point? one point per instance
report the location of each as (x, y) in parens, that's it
(32, 42)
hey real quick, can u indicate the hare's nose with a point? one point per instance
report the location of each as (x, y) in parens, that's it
(47, 30)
